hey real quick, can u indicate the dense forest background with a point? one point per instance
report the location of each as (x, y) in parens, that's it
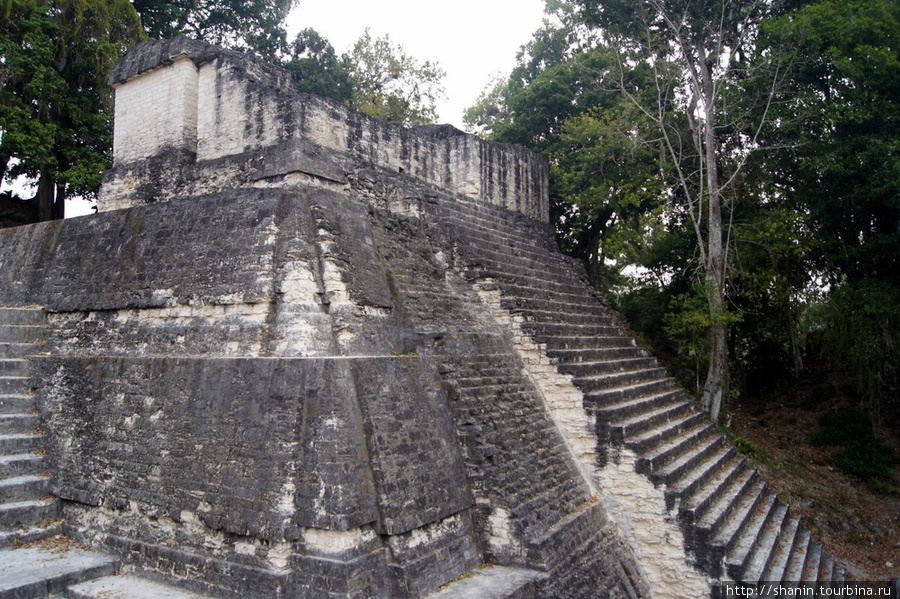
(727, 170)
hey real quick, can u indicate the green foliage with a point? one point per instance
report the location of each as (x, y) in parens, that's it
(805, 108)
(317, 69)
(248, 26)
(390, 84)
(845, 114)
(861, 333)
(687, 326)
(861, 454)
(54, 101)
(818, 396)
(745, 446)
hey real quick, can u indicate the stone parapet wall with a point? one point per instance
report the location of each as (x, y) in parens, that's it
(210, 118)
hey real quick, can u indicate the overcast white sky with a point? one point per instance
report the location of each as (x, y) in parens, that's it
(472, 40)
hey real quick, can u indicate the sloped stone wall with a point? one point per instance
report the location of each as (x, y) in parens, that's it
(261, 392)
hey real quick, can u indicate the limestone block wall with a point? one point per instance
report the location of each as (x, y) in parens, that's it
(219, 119)
(157, 112)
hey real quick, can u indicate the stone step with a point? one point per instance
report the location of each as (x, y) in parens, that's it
(572, 342)
(556, 329)
(826, 569)
(11, 443)
(622, 378)
(782, 552)
(728, 506)
(704, 448)
(556, 316)
(695, 479)
(23, 488)
(19, 423)
(776, 531)
(18, 403)
(659, 457)
(602, 354)
(516, 277)
(18, 537)
(723, 512)
(793, 571)
(657, 436)
(636, 390)
(14, 366)
(11, 315)
(492, 582)
(543, 298)
(715, 487)
(32, 572)
(521, 299)
(622, 430)
(19, 350)
(608, 367)
(759, 526)
(128, 587)
(22, 514)
(23, 333)
(15, 384)
(476, 250)
(810, 571)
(738, 527)
(473, 226)
(839, 576)
(474, 246)
(632, 408)
(22, 464)
(504, 259)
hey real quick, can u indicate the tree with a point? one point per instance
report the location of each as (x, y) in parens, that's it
(247, 26)
(845, 175)
(390, 84)
(845, 169)
(699, 52)
(54, 99)
(317, 69)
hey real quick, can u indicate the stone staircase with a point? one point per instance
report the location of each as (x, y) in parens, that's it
(34, 561)
(734, 526)
(27, 511)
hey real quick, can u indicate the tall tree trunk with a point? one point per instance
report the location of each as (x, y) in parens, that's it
(51, 205)
(716, 385)
(59, 205)
(45, 197)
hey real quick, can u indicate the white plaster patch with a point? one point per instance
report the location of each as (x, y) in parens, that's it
(335, 542)
(639, 509)
(278, 555)
(285, 504)
(156, 110)
(503, 540)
